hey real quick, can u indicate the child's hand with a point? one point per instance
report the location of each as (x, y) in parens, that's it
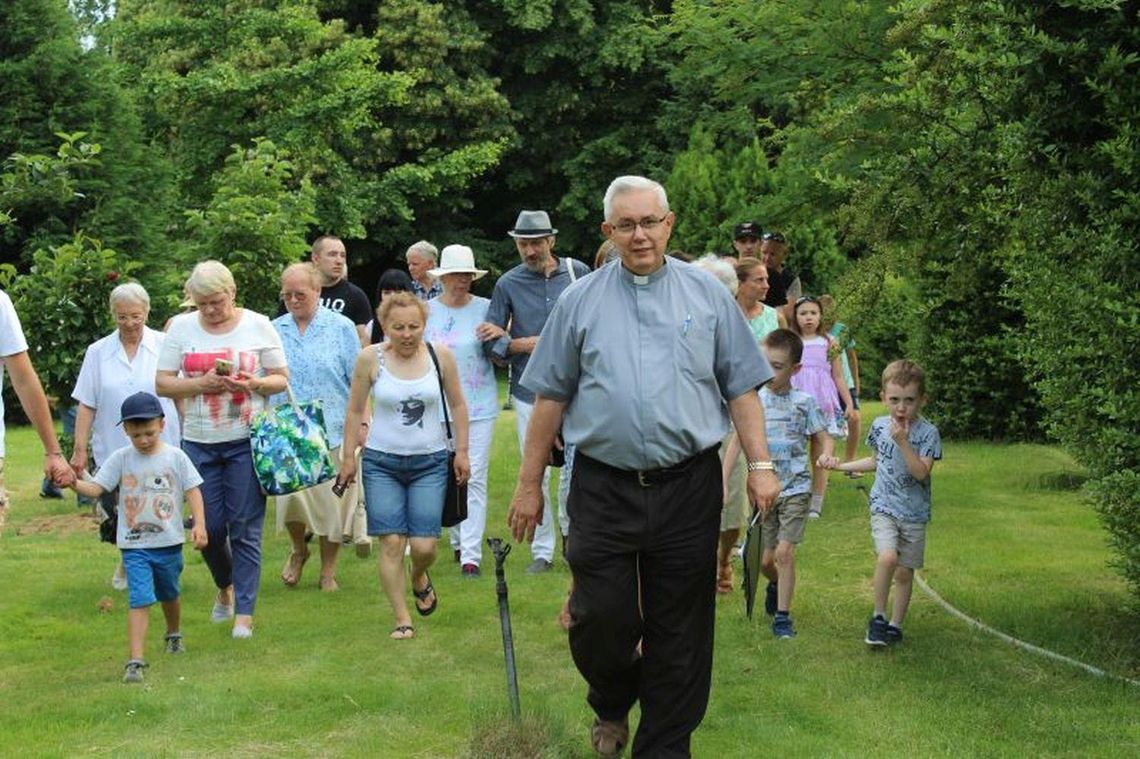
(198, 536)
(827, 462)
(900, 430)
(851, 414)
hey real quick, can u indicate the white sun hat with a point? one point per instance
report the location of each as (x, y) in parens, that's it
(457, 259)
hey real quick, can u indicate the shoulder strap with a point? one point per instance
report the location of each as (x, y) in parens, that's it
(442, 394)
(570, 268)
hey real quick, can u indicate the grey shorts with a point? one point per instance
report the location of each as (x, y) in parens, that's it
(908, 539)
(785, 521)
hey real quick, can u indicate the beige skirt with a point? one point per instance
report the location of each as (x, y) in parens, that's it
(321, 511)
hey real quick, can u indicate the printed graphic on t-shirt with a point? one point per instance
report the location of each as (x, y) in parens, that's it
(334, 304)
(411, 412)
(224, 407)
(148, 502)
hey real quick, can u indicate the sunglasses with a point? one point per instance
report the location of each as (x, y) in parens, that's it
(773, 236)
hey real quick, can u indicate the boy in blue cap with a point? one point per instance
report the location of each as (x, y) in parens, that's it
(153, 479)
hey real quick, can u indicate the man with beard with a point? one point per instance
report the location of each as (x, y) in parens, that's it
(524, 298)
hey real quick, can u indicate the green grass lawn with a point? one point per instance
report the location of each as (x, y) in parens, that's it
(1011, 544)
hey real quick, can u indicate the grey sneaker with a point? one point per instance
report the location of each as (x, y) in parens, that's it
(876, 631)
(783, 628)
(893, 634)
(174, 643)
(133, 672)
(538, 566)
(222, 612)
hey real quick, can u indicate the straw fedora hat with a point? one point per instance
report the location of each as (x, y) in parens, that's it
(457, 259)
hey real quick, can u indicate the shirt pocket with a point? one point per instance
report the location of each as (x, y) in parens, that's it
(695, 350)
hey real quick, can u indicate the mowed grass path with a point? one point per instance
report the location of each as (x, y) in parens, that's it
(1011, 544)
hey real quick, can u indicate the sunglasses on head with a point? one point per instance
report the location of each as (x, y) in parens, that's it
(807, 299)
(773, 236)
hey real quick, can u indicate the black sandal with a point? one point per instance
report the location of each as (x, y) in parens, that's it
(422, 595)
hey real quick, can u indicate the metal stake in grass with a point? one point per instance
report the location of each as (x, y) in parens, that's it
(501, 549)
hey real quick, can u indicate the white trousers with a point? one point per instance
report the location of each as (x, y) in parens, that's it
(543, 545)
(467, 536)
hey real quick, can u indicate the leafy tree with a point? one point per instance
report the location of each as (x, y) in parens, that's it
(255, 223)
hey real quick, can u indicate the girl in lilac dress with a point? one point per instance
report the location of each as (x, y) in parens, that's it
(821, 377)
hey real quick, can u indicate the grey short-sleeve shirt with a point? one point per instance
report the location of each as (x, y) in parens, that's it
(896, 492)
(646, 364)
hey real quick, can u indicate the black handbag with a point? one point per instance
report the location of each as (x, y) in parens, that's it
(455, 500)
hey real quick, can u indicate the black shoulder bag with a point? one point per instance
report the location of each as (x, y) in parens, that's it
(455, 501)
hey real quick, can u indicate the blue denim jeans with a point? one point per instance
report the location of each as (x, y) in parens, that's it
(403, 495)
(235, 513)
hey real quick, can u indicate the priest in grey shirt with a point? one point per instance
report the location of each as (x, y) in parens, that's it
(642, 364)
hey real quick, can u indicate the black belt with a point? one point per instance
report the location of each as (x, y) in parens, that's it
(649, 477)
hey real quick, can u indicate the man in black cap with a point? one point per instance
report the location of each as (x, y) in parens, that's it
(746, 239)
(524, 298)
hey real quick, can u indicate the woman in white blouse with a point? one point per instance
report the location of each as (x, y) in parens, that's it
(115, 367)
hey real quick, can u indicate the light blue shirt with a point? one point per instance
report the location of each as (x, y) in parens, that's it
(320, 364)
(152, 489)
(523, 299)
(896, 492)
(455, 328)
(646, 364)
(790, 419)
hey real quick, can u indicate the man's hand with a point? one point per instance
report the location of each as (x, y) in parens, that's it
(58, 471)
(488, 331)
(827, 462)
(78, 461)
(525, 513)
(763, 489)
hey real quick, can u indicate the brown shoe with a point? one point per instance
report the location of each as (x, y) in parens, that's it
(609, 738)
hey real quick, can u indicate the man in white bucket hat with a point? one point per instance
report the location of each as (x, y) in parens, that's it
(524, 298)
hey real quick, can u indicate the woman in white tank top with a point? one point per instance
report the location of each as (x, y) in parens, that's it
(404, 466)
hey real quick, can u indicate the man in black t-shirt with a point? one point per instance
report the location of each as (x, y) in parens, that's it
(783, 283)
(337, 293)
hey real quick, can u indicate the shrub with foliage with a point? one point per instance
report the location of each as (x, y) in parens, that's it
(255, 223)
(63, 306)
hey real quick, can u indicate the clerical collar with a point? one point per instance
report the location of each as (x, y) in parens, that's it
(642, 280)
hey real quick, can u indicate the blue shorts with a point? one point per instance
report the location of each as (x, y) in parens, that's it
(403, 495)
(152, 574)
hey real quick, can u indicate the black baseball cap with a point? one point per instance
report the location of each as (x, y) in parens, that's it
(746, 229)
(140, 406)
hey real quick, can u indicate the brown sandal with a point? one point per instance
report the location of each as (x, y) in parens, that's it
(294, 565)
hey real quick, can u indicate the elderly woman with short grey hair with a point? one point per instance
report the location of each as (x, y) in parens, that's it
(114, 367)
(224, 361)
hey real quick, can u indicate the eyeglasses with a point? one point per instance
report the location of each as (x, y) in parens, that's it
(774, 237)
(628, 226)
(295, 294)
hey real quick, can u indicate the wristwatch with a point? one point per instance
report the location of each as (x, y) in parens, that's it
(761, 466)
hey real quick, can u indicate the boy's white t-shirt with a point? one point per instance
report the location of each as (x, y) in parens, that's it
(252, 346)
(152, 489)
(11, 342)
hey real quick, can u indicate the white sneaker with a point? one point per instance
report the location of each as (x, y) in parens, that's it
(119, 579)
(241, 632)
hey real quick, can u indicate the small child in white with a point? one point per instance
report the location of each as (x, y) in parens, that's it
(791, 419)
(906, 446)
(153, 480)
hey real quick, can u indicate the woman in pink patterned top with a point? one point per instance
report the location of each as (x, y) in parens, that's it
(223, 362)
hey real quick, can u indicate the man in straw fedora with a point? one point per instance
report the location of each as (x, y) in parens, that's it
(523, 299)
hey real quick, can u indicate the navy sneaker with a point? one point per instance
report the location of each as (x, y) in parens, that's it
(770, 599)
(782, 627)
(876, 631)
(893, 634)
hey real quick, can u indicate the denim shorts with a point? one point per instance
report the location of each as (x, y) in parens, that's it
(152, 574)
(403, 495)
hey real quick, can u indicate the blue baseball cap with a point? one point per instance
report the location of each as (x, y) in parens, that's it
(140, 406)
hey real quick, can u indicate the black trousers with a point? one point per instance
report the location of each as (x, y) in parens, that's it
(643, 555)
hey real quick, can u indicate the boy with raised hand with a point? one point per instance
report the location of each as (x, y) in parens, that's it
(791, 418)
(906, 446)
(153, 480)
